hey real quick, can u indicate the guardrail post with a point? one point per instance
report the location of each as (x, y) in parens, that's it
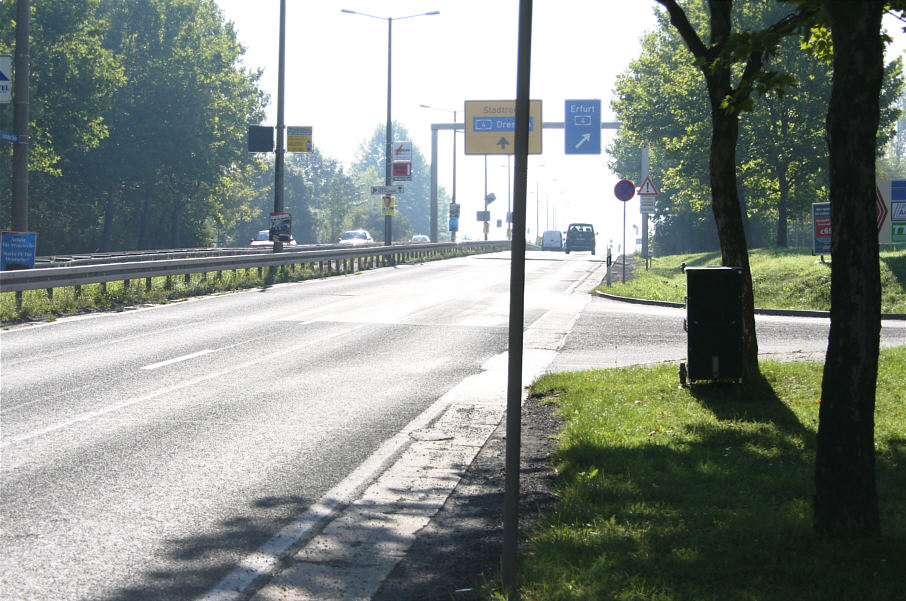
(18, 300)
(103, 286)
(188, 278)
(78, 290)
(49, 293)
(147, 284)
(168, 283)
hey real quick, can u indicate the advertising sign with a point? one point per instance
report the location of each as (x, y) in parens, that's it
(821, 228)
(402, 171)
(298, 139)
(388, 205)
(891, 211)
(281, 227)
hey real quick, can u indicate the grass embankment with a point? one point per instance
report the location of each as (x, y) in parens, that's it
(781, 279)
(704, 493)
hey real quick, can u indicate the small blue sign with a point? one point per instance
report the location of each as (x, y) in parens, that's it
(17, 250)
(6, 136)
(582, 127)
(492, 124)
(898, 190)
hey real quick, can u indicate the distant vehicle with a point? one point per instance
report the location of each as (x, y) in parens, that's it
(355, 238)
(552, 240)
(579, 236)
(262, 238)
(420, 238)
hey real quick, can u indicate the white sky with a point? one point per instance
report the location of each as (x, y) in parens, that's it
(336, 82)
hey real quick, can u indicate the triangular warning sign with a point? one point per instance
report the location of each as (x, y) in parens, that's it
(647, 188)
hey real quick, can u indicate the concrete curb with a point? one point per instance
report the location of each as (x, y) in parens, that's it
(780, 312)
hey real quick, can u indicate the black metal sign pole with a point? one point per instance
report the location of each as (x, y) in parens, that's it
(20, 117)
(517, 307)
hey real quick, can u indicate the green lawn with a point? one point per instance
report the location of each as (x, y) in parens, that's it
(704, 493)
(781, 278)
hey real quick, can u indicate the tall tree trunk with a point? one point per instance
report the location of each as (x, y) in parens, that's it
(727, 211)
(845, 491)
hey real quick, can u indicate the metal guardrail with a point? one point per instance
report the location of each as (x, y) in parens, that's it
(102, 272)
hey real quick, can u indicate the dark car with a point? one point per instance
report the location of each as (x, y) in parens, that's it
(579, 236)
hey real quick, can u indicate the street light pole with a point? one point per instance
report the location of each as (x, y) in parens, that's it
(388, 165)
(281, 125)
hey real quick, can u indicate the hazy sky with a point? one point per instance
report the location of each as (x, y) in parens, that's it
(336, 82)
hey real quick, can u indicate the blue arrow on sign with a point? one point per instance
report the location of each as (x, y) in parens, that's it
(502, 142)
(582, 127)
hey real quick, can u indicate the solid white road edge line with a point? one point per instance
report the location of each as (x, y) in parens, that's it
(266, 561)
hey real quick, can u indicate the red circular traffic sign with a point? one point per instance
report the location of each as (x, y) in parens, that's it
(624, 190)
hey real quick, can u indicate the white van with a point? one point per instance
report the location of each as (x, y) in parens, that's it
(552, 240)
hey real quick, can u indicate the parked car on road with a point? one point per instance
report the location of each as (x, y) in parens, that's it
(579, 236)
(262, 238)
(355, 238)
(552, 240)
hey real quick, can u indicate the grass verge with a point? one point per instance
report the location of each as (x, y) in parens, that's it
(669, 494)
(781, 278)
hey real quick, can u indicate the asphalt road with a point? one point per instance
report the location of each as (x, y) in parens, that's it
(146, 454)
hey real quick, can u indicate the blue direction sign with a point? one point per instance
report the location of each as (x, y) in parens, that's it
(582, 127)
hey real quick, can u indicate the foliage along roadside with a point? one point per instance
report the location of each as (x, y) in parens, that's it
(782, 279)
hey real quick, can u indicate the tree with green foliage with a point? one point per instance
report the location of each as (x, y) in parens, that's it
(733, 68)
(139, 115)
(72, 78)
(174, 137)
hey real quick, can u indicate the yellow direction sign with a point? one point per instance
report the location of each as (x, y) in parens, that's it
(298, 139)
(491, 124)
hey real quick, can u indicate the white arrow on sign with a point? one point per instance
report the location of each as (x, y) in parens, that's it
(585, 138)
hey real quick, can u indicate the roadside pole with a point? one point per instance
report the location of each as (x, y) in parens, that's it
(517, 306)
